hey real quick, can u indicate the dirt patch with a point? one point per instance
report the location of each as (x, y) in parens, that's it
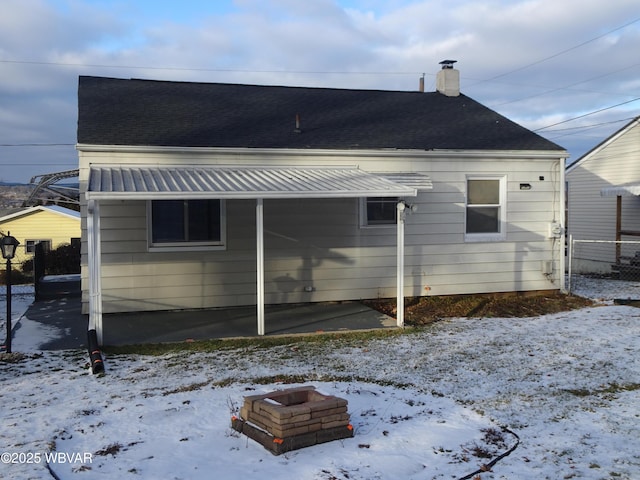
(424, 310)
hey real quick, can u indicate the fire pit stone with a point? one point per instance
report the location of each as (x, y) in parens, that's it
(294, 418)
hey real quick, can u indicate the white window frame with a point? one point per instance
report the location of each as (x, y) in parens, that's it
(501, 234)
(187, 246)
(364, 217)
(30, 244)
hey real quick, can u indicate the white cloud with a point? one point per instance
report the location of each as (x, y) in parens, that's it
(386, 45)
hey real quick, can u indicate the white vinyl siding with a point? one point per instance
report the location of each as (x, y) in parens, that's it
(319, 243)
(592, 216)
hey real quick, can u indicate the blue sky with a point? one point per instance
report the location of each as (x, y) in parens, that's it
(546, 64)
(148, 11)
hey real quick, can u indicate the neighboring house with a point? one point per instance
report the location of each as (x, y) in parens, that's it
(202, 195)
(603, 204)
(50, 225)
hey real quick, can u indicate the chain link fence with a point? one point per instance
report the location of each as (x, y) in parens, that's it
(611, 260)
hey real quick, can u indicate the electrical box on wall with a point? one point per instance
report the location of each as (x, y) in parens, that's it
(555, 230)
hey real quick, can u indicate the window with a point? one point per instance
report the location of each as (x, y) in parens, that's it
(30, 245)
(377, 211)
(187, 223)
(485, 209)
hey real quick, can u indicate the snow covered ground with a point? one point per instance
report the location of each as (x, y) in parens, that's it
(428, 405)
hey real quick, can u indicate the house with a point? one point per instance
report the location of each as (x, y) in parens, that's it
(603, 204)
(200, 195)
(49, 225)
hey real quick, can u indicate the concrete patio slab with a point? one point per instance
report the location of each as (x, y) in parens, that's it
(186, 325)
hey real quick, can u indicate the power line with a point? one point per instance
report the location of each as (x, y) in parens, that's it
(568, 87)
(582, 132)
(582, 127)
(31, 164)
(221, 70)
(561, 52)
(593, 125)
(587, 114)
(37, 144)
(316, 72)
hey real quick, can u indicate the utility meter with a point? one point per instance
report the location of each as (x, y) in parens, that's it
(555, 230)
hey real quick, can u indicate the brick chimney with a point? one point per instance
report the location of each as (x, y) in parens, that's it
(448, 79)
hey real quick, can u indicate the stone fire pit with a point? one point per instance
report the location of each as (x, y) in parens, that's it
(294, 418)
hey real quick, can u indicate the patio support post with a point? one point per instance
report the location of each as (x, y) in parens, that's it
(618, 227)
(260, 263)
(562, 214)
(400, 215)
(95, 267)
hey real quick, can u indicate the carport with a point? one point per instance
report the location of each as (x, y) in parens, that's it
(260, 183)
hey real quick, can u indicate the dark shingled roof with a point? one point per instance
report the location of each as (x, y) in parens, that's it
(159, 113)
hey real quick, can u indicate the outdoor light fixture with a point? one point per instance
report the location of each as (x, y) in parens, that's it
(402, 205)
(8, 246)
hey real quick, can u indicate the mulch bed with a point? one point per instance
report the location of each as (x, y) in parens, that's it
(425, 310)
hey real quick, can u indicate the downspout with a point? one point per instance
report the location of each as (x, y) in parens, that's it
(95, 267)
(400, 215)
(94, 333)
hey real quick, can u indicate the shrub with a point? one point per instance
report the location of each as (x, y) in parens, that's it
(61, 261)
(17, 277)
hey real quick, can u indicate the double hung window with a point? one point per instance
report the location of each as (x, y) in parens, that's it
(30, 245)
(378, 211)
(186, 223)
(485, 209)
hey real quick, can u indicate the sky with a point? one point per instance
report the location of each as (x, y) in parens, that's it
(568, 70)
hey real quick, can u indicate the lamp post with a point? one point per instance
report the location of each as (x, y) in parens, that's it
(8, 246)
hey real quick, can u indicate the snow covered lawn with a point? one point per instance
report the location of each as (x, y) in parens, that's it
(427, 405)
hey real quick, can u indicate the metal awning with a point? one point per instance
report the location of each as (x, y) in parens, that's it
(419, 181)
(157, 182)
(143, 182)
(621, 190)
